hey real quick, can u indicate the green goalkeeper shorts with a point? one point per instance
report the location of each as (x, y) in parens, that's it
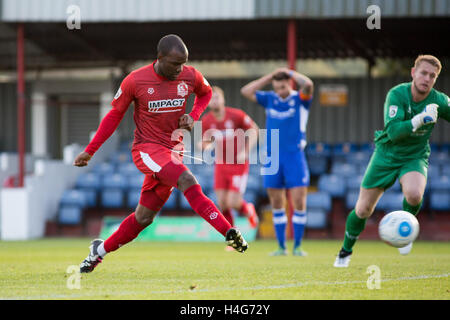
(382, 171)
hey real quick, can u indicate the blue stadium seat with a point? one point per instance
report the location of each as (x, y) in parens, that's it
(90, 195)
(351, 198)
(71, 207)
(439, 158)
(121, 157)
(434, 171)
(255, 170)
(318, 148)
(445, 169)
(316, 219)
(340, 151)
(251, 196)
(128, 169)
(255, 184)
(445, 147)
(434, 147)
(440, 201)
(367, 147)
(206, 181)
(125, 146)
(359, 158)
(319, 200)
(172, 202)
(184, 204)
(112, 198)
(115, 180)
(212, 195)
(390, 201)
(135, 181)
(354, 183)
(396, 187)
(333, 184)
(104, 168)
(70, 214)
(73, 197)
(440, 184)
(112, 192)
(344, 169)
(133, 196)
(88, 180)
(318, 164)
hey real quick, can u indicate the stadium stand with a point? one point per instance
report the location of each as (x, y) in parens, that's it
(116, 184)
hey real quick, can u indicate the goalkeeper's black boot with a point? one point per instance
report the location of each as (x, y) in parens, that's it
(93, 259)
(235, 239)
(342, 259)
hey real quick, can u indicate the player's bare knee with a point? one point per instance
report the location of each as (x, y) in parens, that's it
(300, 204)
(223, 205)
(413, 197)
(277, 203)
(144, 216)
(363, 210)
(186, 180)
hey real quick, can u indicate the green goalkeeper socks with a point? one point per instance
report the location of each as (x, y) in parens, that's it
(411, 209)
(353, 227)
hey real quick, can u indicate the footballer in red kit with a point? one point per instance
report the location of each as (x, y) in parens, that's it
(235, 133)
(159, 92)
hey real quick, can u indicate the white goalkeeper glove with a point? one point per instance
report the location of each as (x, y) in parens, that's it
(429, 115)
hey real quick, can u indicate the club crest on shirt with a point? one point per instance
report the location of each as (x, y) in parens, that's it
(393, 111)
(150, 90)
(182, 89)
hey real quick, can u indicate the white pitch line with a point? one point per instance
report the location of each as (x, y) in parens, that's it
(281, 286)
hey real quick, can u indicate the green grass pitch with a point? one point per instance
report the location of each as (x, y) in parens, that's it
(196, 271)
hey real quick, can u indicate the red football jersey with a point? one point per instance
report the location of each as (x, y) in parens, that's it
(234, 119)
(158, 102)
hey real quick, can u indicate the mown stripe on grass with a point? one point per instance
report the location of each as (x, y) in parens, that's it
(280, 286)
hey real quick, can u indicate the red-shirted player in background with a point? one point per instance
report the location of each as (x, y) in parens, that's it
(159, 92)
(230, 177)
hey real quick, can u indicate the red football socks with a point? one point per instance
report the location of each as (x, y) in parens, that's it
(244, 209)
(128, 230)
(206, 209)
(229, 216)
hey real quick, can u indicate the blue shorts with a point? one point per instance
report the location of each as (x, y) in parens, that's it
(292, 171)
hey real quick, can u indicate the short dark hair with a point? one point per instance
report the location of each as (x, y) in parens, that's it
(280, 76)
(170, 42)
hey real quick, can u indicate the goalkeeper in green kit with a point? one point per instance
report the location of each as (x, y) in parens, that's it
(401, 149)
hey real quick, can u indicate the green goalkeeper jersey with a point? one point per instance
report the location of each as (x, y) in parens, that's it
(397, 140)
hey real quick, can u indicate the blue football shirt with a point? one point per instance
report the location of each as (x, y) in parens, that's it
(289, 116)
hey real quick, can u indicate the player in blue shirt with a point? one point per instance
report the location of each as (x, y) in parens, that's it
(286, 110)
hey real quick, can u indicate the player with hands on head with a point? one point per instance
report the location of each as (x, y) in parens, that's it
(287, 111)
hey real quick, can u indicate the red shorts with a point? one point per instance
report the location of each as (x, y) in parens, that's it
(162, 168)
(231, 177)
